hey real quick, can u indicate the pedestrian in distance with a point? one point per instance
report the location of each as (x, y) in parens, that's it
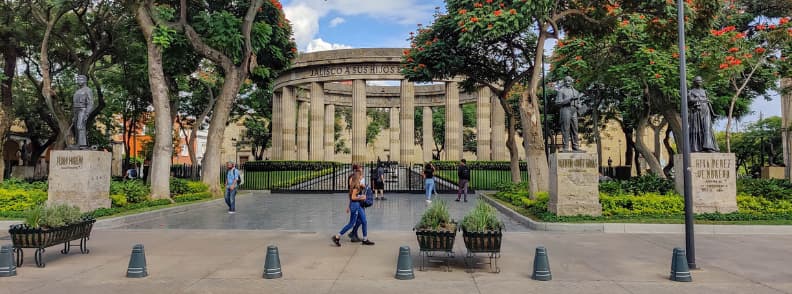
(429, 183)
(356, 212)
(232, 182)
(463, 173)
(379, 182)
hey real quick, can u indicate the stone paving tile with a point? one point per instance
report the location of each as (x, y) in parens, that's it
(311, 213)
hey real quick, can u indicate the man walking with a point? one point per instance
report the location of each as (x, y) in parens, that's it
(463, 173)
(232, 179)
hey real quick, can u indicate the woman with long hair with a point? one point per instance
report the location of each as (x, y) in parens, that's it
(356, 212)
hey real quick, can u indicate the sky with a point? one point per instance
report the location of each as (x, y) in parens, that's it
(321, 25)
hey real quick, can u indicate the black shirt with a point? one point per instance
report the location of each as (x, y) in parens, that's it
(429, 172)
(463, 172)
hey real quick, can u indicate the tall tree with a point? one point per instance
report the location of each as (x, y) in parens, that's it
(246, 39)
(438, 52)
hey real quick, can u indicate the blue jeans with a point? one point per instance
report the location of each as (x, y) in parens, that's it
(357, 225)
(429, 186)
(356, 214)
(230, 199)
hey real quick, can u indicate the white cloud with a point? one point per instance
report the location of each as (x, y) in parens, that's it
(337, 21)
(305, 14)
(321, 45)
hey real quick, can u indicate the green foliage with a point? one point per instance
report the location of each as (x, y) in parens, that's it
(436, 217)
(118, 200)
(379, 121)
(101, 212)
(192, 197)
(482, 217)
(772, 189)
(646, 204)
(638, 186)
(178, 187)
(20, 200)
(135, 191)
(19, 184)
(53, 216)
(196, 187)
(755, 145)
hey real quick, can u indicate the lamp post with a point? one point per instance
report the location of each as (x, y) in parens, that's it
(620, 153)
(690, 248)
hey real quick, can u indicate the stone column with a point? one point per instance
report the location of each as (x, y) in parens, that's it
(317, 122)
(453, 130)
(483, 124)
(277, 127)
(359, 121)
(407, 125)
(288, 112)
(498, 131)
(428, 138)
(302, 130)
(395, 154)
(329, 133)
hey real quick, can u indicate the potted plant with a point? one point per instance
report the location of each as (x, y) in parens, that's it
(51, 225)
(436, 232)
(482, 233)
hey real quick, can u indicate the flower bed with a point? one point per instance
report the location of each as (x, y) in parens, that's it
(48, 226)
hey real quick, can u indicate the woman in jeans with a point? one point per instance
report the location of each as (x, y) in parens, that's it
(356, 212)
(429, 183)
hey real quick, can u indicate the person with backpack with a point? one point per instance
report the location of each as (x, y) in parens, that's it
(378, 181)
(463, 173)
(232, 183)
(356, 170)
(356, 212)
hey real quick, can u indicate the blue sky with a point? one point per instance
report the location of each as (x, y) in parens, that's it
(335, 24)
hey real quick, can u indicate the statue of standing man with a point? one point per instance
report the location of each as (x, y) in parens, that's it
(702, 138)
(568, 100)
(82, 107)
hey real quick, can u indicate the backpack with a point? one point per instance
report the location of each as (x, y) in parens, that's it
(369, 197)
(238, 178)
(133, 174)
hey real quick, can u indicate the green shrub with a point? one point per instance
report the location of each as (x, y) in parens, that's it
(649, 204)
(118, 200)
(192, 197)
(116, 210)
(18, 200)
(178, 187)
(767, 188)
(638, 185)
(196, 187)
(482, 218)
(436, 217)
(19, 184)
(135, 191)
(53, 216)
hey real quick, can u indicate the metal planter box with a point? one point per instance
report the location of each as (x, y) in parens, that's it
(24, 236)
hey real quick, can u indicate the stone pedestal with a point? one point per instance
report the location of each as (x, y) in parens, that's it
(714, 181)
(574, 184)
(81, 178)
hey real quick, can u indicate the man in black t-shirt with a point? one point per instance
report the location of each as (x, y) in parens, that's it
(463, 173)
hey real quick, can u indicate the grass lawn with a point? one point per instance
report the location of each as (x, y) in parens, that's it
(639, 219)
(267, 180)
(482, 179)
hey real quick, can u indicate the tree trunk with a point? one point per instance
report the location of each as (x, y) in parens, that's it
(159, 172)
(63, 124)
(640, 145)
(533, 141)
(511, 142)
(210, 168)
(6, 95)
(739, 90)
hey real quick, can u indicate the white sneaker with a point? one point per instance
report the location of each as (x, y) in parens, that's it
(231, 212)
(428, 202)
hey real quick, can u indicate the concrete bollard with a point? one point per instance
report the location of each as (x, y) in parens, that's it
(404, 267)
(137, 263)
(7, 265)
(541, 266)
(680, 272)
(272, 266)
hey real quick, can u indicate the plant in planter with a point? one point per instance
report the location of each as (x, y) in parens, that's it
(436, 232)
(482, 233)
(51, 225)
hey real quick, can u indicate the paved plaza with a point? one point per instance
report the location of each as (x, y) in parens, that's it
(205, 250)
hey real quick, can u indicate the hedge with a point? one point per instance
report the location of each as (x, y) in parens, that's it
(192, 197)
